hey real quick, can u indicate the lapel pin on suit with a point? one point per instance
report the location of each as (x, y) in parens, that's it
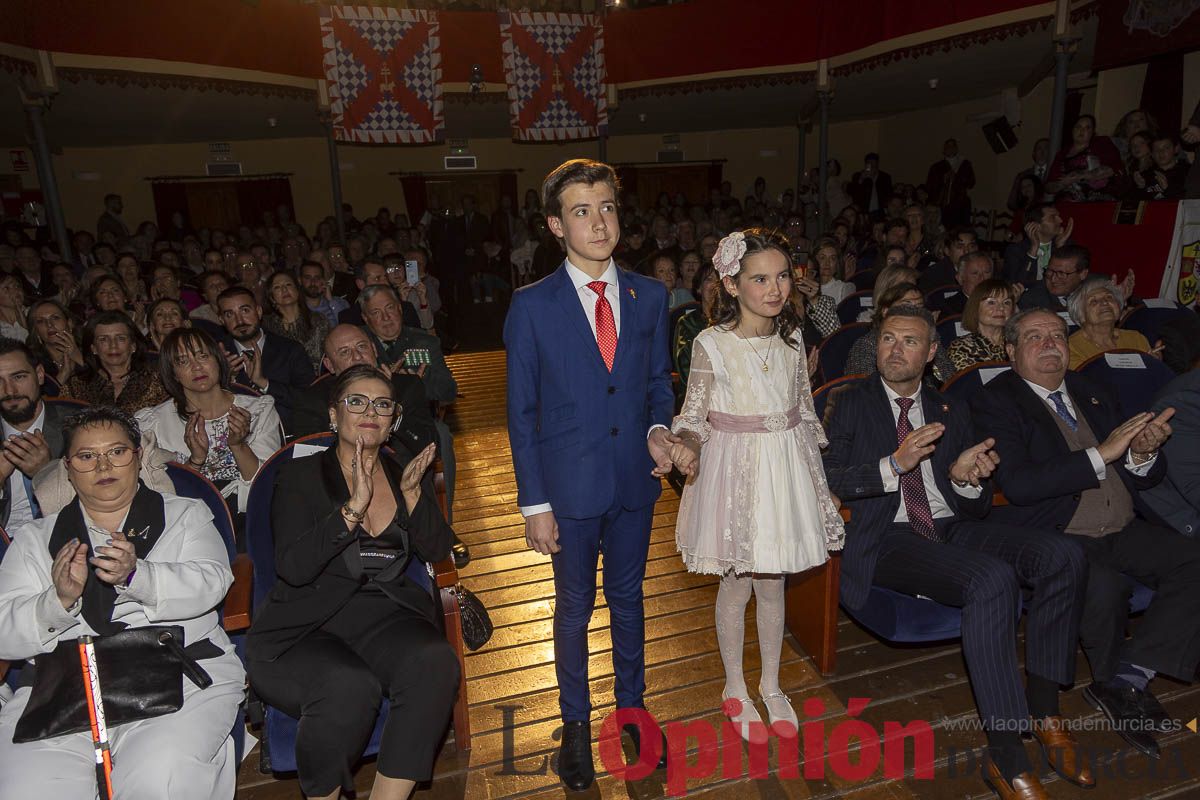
(945, 408)
(1095, 402)
(632, 293)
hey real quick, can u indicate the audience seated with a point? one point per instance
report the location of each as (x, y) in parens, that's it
(1165, 178)
(211, 283)
(32, 434)
(862, 355)
(1071, 463)
(830, 269)
(1089, 168)
(917, 527)
(114, 374)
(173, 571)
(666, 270)
(162, 317)
(1035, 171)
(292, 318)
(1096, 306)
(1025, 261)
(971, 269)
(204, 423)
(957, 243)
(318, 292)
(1067, 269)
(690, 324)
(989, 306)
(12, 308)
(258, 358)
(343, 627)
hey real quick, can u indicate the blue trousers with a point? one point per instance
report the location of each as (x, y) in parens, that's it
(623, 536)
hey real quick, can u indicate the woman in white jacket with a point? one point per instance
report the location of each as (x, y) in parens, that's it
(120, 556)
(223, 435)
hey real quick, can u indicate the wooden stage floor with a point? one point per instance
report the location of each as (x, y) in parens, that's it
(511, 684)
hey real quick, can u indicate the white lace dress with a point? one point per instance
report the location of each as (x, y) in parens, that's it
(759, 501)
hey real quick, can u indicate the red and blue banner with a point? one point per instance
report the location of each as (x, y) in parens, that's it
(554, 67)
(384, 70)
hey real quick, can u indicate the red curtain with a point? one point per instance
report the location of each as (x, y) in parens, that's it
(256, 195)
(169, 198)
(414, 197)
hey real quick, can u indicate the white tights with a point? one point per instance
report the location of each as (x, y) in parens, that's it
(732, 597)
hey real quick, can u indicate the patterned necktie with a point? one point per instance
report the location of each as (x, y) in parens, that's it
(1060, 408)
(912, 485)
(606, 326)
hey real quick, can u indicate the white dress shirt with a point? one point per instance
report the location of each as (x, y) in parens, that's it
(891, 481)
(587, 298)
(19, 509)
(1098, 465)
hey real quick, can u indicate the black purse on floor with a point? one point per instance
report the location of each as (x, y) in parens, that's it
(141, 676)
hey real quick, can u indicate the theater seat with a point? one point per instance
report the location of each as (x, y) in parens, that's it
(1148, 321)
(854, 304)
(964, 383)
(1135, 376)
(826, 392)
(950, 328)
(833, 351)
(278, 747)
(897, 617)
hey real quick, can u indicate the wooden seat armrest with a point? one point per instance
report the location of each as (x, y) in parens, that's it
(237, 600)
(998, 498)
(445, 574)
(3, 670)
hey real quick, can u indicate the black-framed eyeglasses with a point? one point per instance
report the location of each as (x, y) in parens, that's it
(89, 460)
(1058, 273)
(384, 406)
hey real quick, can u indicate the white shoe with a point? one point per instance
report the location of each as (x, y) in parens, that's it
(744, 716)
(784, 723)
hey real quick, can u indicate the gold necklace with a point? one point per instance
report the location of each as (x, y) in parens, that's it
(762, 360)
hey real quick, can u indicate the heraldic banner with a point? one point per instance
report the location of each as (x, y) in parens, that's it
(384, 69)
(1181, 278)
(554, 65)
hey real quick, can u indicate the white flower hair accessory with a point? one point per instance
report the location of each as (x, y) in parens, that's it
(728, 258)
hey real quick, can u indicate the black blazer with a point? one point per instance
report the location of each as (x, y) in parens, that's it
(1038, 473)
(288, 371)
(416, 430)
(861, 431)
(52, 430)
(317, 559)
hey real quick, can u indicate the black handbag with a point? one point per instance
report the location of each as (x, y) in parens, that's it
(476, 624)
(140, 673)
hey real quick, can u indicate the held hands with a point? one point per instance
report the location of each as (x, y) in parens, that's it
(1153, 436)
(660, 443)
(975, 463)
(918, 445)
(114, 563)
(686, 456)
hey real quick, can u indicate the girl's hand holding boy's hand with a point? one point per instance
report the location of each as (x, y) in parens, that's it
(685, 455)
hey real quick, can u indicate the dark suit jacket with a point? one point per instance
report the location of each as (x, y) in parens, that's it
(1019, 267)
(311, 414)
(353, 316)
(1177, 499)
(317, 561)
(860, 191)
(52, 430)
(941, 273)
(1038, 296)
(861, 431)
(1038, 473)
(440, 385)
(287, 369)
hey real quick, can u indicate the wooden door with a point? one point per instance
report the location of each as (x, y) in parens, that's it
(448, 191)
(213, 204)
(690, 179)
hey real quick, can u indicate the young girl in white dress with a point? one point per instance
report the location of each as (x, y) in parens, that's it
(756, 506)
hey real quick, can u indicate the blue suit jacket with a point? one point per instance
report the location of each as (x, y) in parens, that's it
(578, 433)
(1177, 498)
(861, 431)
(1040, 475)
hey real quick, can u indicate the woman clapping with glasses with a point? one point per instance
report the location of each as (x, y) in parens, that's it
(344, 627)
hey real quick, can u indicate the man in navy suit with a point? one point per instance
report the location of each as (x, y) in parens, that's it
(589, 399)
(1070, 463)
(273, 364)
(917, 484)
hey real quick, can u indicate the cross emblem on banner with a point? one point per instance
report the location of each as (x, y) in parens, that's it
(553, 67)
(385, 66)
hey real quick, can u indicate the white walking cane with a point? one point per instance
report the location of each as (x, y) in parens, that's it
(95, 704)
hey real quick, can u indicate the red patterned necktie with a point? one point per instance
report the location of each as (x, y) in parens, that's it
(912, 485)
(606, 326)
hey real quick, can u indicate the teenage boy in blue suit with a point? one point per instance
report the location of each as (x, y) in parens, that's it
(589, 402)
